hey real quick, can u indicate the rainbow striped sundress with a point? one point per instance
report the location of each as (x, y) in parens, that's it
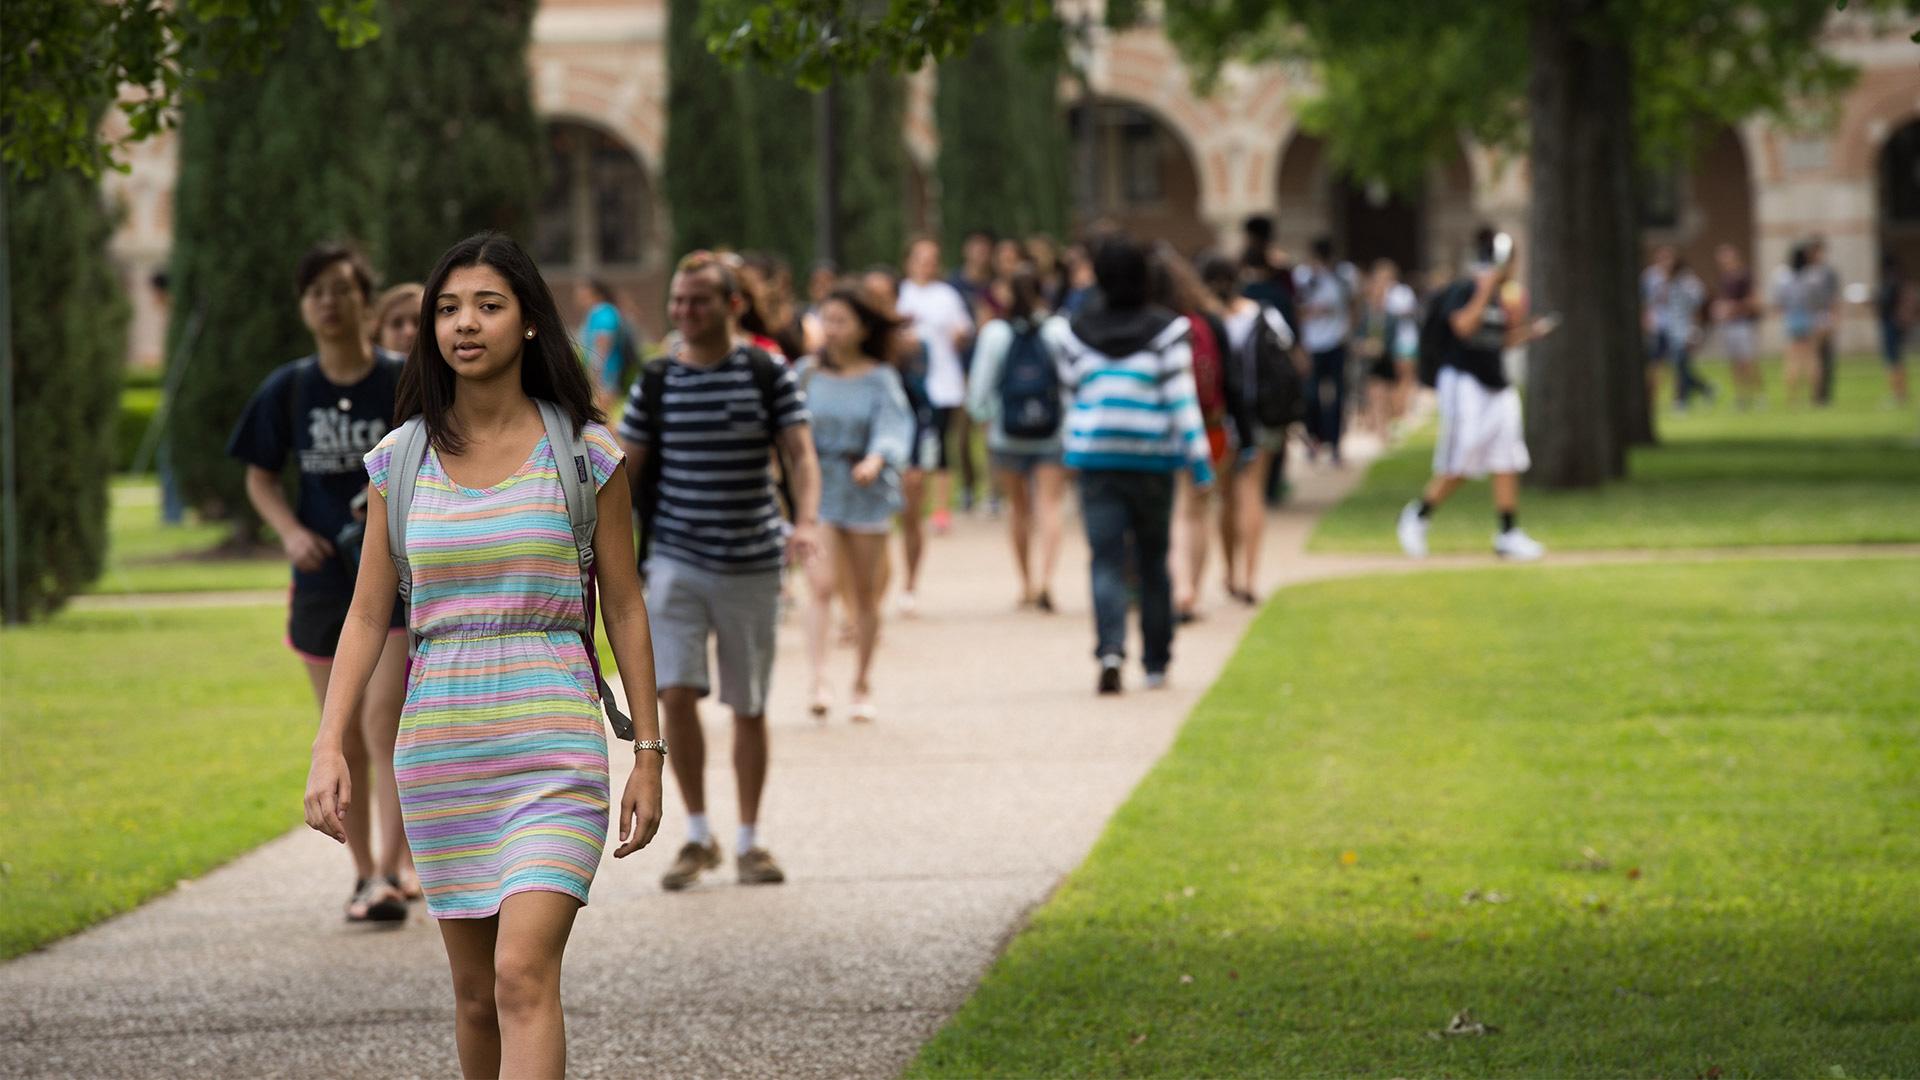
(502, 759)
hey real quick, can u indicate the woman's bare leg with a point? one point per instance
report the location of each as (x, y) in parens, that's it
(1049, 507)
(1252, 511)
(476, 1020)
(1019, 527)
(913, 523)
(822, 584)
(862, 558)
(526, 982)
(380, 727)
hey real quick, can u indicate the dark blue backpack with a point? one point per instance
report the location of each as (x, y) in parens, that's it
(1029, 388)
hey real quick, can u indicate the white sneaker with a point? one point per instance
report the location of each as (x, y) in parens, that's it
(906, 606)
(1515, 544)
(1413, 532)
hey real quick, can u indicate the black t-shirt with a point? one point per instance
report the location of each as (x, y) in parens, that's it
(328, 430)
(1479, 353)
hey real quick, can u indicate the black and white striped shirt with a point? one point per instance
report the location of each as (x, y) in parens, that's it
(716, 505)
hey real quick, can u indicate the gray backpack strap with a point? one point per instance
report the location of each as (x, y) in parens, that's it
(403, 472)
(583, 514)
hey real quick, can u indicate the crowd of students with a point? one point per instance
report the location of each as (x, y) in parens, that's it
(1682, 312)
(471, 474)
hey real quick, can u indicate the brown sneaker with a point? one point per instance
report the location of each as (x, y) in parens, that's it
(693, 860)
(758, 868)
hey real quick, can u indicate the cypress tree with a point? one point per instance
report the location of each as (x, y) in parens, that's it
(704, 173)
(873, 168)
(270, 164)
(69, 323)
(461, 141)
(778, 159)
(1003, 136)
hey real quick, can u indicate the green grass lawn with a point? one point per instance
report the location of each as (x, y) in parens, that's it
(145, 556)
(140, 748)
(1647, 821)
(1847, 474)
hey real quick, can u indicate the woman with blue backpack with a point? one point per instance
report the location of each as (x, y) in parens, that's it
(1015, 390)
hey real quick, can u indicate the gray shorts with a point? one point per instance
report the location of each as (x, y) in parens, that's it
(688, 605)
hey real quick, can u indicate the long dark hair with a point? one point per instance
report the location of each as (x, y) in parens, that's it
(879, 326)
(1027, 300)
(548, 369)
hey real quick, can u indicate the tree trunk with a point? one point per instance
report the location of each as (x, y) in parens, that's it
(1582, 262)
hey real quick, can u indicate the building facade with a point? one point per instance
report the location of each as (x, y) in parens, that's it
(1168, 163)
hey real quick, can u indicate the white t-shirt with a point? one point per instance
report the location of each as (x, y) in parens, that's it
(938, 311)
(1327, 328)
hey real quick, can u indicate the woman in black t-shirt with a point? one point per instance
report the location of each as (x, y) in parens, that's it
(324, 412)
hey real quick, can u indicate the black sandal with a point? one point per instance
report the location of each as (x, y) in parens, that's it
(378, 901)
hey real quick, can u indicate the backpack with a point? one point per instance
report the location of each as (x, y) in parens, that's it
(1277, 398)
(653, 388)
(583, 513)
(1209, 373)
(1029, 388)
(1437, 339)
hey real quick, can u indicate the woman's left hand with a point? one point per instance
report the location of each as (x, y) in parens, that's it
(640, 805)
(868, 469)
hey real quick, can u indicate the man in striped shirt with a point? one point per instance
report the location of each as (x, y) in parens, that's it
(699, 430)
(1135, 422)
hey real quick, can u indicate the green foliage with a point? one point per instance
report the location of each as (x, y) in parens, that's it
(754, 184)
(269, 165)
(704, 175)
(778, 154)
(812, 40)
(1003, 136)
(462, 144)
(873, 168)
(1841, 475)
(58, 56)
(155, 771)
(1613, 811)
(68, 338)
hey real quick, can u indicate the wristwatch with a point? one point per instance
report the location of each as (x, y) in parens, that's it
(650, 744)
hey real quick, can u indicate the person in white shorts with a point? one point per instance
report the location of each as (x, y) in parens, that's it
(1480, 428)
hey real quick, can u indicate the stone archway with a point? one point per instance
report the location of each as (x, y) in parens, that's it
(1143, 175)
(1419, 230)
(597, 218)
(1898, 170)
(1705, 203)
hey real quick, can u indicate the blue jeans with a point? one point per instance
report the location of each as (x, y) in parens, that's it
(1128, 516)
(1327, 396)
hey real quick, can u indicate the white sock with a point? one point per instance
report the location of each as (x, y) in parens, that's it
(698, 831)
(743, 842)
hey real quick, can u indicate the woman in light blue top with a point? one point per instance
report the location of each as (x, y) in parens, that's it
(1008, 361)
(863, 434)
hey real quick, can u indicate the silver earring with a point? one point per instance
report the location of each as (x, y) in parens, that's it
(529, 335)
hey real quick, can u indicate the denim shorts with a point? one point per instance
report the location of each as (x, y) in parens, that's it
(1021, 463)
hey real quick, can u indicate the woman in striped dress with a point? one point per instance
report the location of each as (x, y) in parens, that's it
(501, 761)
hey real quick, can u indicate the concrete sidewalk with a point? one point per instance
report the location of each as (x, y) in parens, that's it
(913, 847)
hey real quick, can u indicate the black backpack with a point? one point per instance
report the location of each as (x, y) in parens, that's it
(1029, 388)
(653, 388)
(1437, 339)
(1277, 397)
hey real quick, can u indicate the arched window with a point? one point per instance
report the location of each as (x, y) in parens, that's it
(1132, 170)
(593, 214)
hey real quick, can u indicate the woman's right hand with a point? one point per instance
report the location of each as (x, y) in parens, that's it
(307, 549)
(329, 792)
